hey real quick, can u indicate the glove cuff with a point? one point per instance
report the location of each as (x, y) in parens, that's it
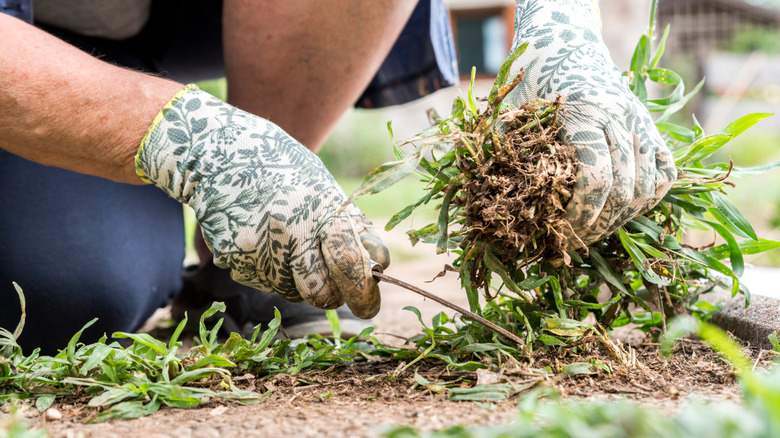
(139, 168)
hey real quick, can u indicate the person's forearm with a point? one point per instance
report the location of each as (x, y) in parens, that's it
(301, 65)
(62, 107)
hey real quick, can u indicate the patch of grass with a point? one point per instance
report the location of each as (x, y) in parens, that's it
(543, 414)
(134, 381)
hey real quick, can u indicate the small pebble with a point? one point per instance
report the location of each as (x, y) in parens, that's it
(53, 414)
(219, 410)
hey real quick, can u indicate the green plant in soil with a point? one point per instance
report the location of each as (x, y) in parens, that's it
(137, 380)
(501, 180)
(542, 413)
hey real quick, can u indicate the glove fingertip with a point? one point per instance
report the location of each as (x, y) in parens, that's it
(376, 248)
(349, 267)
(360, 292)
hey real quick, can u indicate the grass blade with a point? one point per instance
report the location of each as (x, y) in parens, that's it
(639, 259)
(732, 217)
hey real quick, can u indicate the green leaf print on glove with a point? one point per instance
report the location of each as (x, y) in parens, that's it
(625, 166)
(268, 208)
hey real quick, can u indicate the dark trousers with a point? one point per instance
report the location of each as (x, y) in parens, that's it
(83, 247)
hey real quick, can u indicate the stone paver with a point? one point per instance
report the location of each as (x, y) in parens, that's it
(756, 322)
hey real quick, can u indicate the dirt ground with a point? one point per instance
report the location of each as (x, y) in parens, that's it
(361, 400)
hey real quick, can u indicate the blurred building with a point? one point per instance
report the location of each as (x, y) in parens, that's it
(483, 31)
(712, 24)
(731, 44)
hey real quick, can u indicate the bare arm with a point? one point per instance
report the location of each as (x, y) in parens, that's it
(65, 108)
(303, 64)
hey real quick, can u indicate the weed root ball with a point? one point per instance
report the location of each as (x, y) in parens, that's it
(514, 199)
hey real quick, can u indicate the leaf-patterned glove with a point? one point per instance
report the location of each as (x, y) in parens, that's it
(626, 167)
(268, 208)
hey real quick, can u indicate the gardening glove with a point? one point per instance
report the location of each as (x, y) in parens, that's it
(625, 166)
(267, 207)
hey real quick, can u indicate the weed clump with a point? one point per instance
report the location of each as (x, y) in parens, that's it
(501, 179)
(513, 199)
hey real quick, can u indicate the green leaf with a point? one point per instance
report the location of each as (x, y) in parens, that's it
(565, 326)
(774, 342)
(649, 249)
(664, 76)
(503, 72)
(111, 397)
(273, 328)
(144, 339)
(743, 171)
(674, 108)
(744, 123)
(493, 392)
(701, 148)
(579, 368)
(407, 211)
(639, 258)
(458, 108)
(661, 48)
(23, 310)
(550, 340)
(189, 376)
(386, 175)
(397, 152)
(638, 67)
(425, 234)
(731, 216)
(214, 360)
(70, 350)
(586, 305)
(603, 268)
(712, 263)
(472, 97)
(130, 409)
(735, 254)
(444, 220)
(495, 265)
(97, 355)
(647, 226)
(472, 294)
(44, 401)
(416, 311)
(677, 132)
(422, 381)
(747, 247)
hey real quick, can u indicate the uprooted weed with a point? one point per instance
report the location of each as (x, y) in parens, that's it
(513, 200)
(500, 179)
